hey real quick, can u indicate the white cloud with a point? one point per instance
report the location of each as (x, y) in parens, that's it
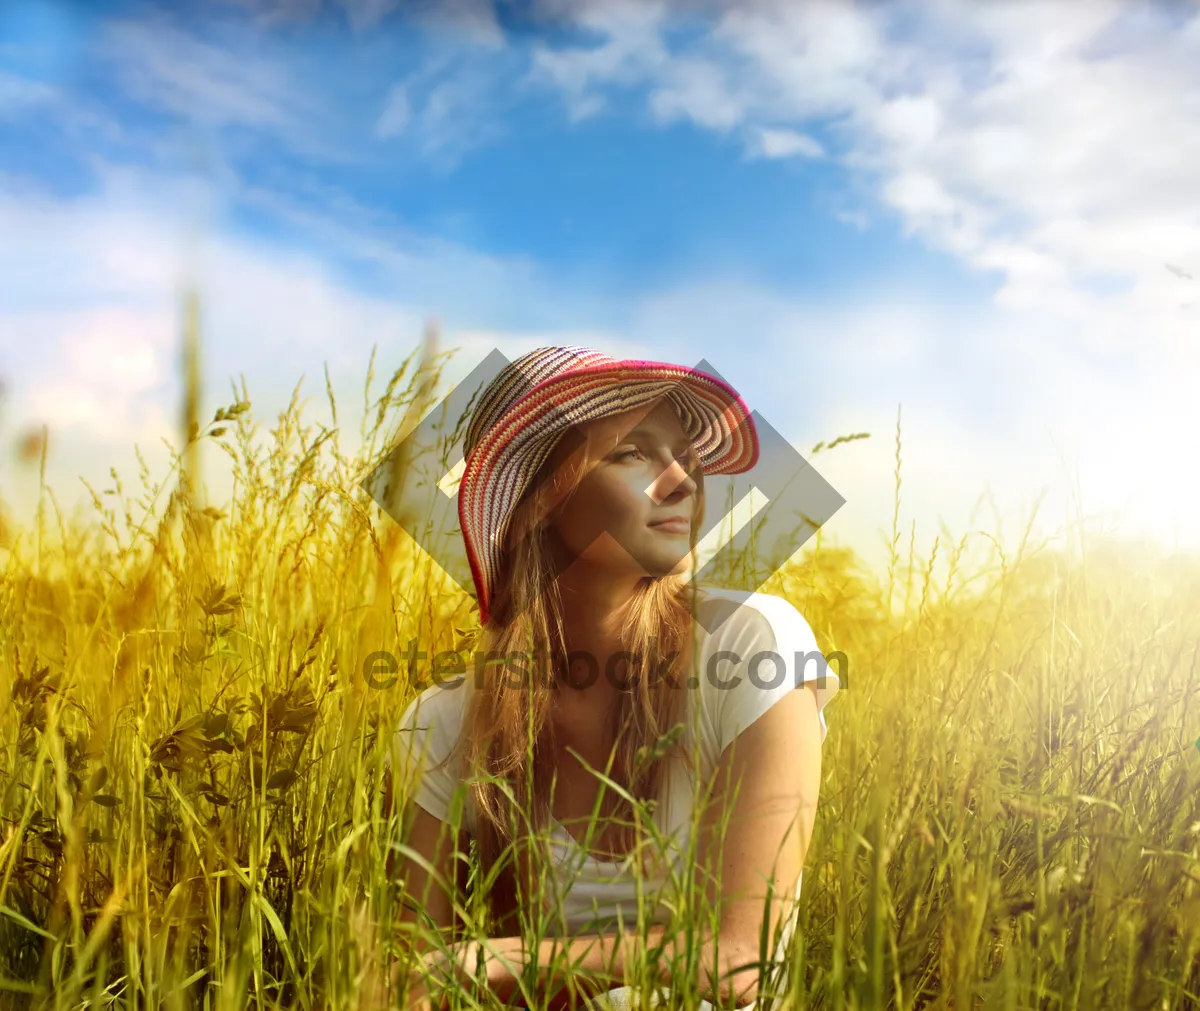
(456, 99)
(475, 18)
(1050, 142)
(1018, 403)
(366, 13)
(107, 359)
(165, 67)
(772, 143)
(223, 82)
(90, 318)
(397, 111)
(696, 90)
(810, 59)
(91, 322)
(98, 300)
(631, 52)
(859, 220)
(17, 93)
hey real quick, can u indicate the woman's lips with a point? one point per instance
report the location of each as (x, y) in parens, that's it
(673, 526)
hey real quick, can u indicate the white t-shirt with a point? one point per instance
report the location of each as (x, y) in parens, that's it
(734, 690)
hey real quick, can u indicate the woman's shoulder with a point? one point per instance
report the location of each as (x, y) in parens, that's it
(424, 745)
(433, 719)
(753, 649)
(730, 618)
(437, 702)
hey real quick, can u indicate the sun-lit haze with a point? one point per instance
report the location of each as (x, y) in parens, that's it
(983, 218)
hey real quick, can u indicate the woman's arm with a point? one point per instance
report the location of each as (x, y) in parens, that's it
(774, 766)
(427, 893)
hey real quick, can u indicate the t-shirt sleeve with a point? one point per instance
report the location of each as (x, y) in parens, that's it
(767, 649)
(425, 737)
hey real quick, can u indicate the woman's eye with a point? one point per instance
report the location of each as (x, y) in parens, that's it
(626, 453)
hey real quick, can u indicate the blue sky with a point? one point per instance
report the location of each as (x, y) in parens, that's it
(965, 211)
(616, 203)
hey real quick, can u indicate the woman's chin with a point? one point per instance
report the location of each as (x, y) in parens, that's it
(673, 567)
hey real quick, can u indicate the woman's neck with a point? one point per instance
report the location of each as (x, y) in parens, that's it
(594, 604)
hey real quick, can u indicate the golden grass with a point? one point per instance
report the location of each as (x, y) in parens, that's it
(191, 802)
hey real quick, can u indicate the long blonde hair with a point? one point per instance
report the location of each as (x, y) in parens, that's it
(506, 723)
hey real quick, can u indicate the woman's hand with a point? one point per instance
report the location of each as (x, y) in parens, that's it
(496, 963)
(380, 990)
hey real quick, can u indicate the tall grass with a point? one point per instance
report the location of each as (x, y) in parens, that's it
(192, 794)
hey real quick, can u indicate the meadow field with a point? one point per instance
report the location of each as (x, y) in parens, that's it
(191, 790)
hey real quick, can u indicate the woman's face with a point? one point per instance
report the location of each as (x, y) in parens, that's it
(643, 471)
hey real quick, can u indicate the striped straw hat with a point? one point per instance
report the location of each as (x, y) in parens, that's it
(537, 398)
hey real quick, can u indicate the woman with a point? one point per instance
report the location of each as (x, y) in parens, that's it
(627, 751)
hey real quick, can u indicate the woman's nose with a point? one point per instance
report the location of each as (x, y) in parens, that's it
(674, 476)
